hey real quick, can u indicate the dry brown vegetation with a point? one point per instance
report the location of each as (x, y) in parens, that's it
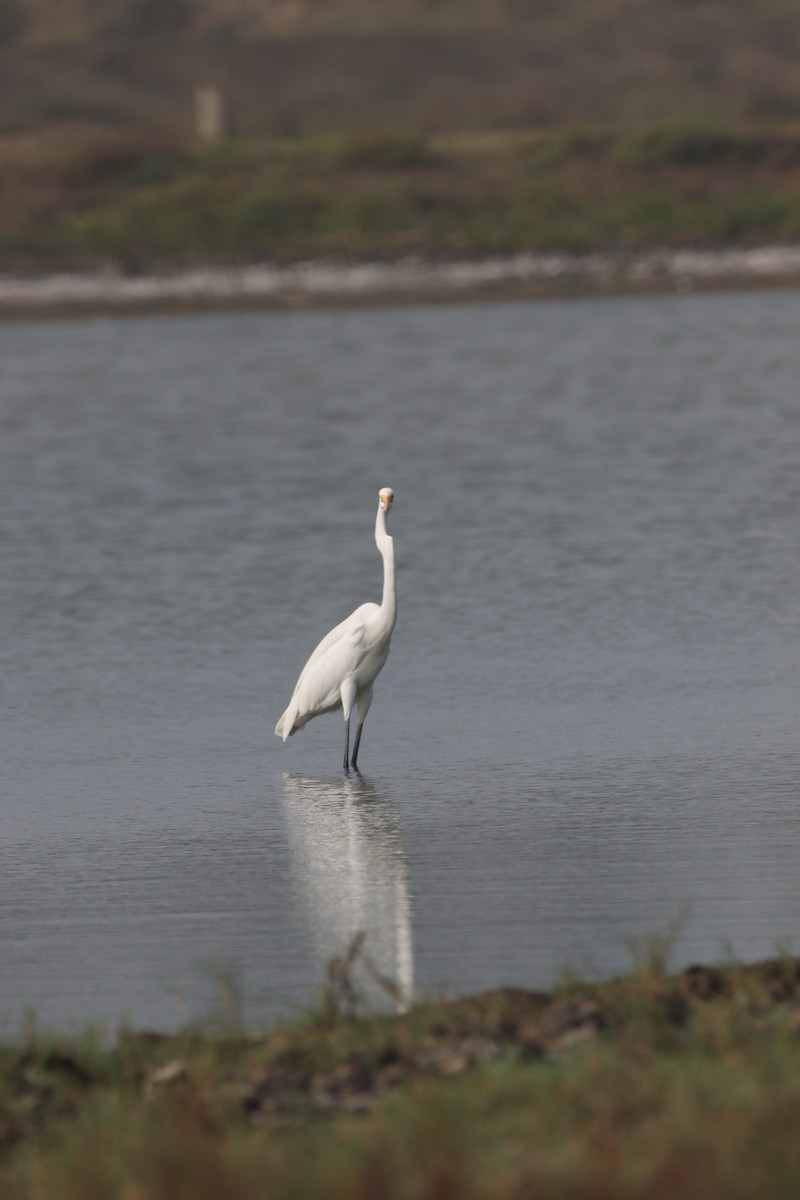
(298, 66)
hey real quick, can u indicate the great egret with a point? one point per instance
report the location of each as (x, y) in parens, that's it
(341, 671)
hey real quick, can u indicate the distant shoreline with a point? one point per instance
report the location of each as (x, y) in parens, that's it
(325, 284)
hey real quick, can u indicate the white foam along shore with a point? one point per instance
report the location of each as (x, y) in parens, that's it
(324, 283)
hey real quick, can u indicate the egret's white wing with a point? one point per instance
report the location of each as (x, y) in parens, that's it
(335, 658)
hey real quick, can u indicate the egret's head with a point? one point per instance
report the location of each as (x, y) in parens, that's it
(385, 498)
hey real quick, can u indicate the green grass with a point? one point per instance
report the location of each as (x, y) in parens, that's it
(685, 145)
(648, 1087)
(134, 201)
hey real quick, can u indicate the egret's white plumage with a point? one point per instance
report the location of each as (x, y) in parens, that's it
(341, 671)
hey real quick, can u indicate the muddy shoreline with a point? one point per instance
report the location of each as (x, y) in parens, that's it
(644, 1087)
(408, 281)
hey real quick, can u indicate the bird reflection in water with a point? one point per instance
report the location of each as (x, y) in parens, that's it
(350, 867)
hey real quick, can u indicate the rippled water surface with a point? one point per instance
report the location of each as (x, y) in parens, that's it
(589, 717)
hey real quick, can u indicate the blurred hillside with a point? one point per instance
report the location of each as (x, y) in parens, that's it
(290, 67)
(359, 130)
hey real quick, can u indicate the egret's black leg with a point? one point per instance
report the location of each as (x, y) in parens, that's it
(347, 742)
(356, 745)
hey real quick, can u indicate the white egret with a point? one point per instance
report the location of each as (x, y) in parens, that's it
(341, 671)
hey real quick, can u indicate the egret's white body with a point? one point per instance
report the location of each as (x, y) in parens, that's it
(341, 671)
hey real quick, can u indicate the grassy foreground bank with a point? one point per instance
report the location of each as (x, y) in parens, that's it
(140, 202)
(649, 1086)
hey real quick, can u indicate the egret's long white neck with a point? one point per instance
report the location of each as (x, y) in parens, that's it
(385, 545)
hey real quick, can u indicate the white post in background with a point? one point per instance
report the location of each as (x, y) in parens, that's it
(209, 114)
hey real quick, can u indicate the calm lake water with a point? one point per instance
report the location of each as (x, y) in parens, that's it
(589, 717)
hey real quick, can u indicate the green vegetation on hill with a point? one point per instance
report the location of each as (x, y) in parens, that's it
(645, 1088)
(139, 203)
